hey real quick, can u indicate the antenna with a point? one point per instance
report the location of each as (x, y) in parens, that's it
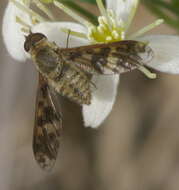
(68, 38)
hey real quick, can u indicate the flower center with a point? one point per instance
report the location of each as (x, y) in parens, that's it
(110, 29)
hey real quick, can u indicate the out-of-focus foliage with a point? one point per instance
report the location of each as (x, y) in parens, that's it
(46, 1)
(168, 10)
(176, 2)
(89, 1)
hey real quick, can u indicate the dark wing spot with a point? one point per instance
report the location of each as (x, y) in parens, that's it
(99, 59)
(74, 55)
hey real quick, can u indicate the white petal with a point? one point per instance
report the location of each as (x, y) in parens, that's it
(12, 34)
(122, 8)
(54, 33)
(166, 52)
(103, 99)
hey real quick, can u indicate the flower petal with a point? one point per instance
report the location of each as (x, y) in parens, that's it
(166, 52)
(54, 33)
(12, 34)
(122, 8)
(103, 99)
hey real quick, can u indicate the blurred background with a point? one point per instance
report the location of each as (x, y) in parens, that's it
(136, 148)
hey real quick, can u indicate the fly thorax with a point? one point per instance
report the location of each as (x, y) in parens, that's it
(47, 60)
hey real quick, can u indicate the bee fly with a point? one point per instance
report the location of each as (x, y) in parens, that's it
(68, 72)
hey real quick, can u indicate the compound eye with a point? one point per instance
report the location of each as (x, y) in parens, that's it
(32, 40)
(27, 46)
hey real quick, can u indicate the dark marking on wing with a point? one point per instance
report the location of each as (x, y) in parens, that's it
(48, 127)
(98, 61)
(111, 58)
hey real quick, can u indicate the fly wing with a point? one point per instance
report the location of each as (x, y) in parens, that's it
(48, 126)
(111, 58)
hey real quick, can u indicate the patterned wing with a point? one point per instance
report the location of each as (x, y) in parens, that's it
(111, 58)
(48, 126)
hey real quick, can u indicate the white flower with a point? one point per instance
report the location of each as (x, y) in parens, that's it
(12, 34)
(113, 26)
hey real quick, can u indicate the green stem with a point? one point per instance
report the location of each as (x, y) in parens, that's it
(72, 5)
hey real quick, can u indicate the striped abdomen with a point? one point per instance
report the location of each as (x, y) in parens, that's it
(71, 83)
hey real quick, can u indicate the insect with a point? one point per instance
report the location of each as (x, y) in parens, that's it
(68, 72)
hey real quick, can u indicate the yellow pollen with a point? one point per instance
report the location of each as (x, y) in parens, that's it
(115, 34)
(101, 29)
(104, 33)
(102, 20)
(108, 39)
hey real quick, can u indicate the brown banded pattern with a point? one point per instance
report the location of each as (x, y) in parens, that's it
(48, 127)
(111, 58)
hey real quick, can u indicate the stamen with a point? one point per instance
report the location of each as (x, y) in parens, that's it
(146, 72)
(25, 30)
(101, 7)
(72, 14)
(123, 35)
(22, 22)
(25, 27)
(43, 8)
(91, 31)
(111, 13)
(101, 29)
(102, 20)
(74, 33)
(26, 2)
(34, 21)
(103, 23)
(114, 24)
(146, 29)
(115, 34)
(28, 10)
(114, 19)
(103, 11)
(108, 39)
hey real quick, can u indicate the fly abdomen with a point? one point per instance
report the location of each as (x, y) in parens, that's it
(72, 84)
